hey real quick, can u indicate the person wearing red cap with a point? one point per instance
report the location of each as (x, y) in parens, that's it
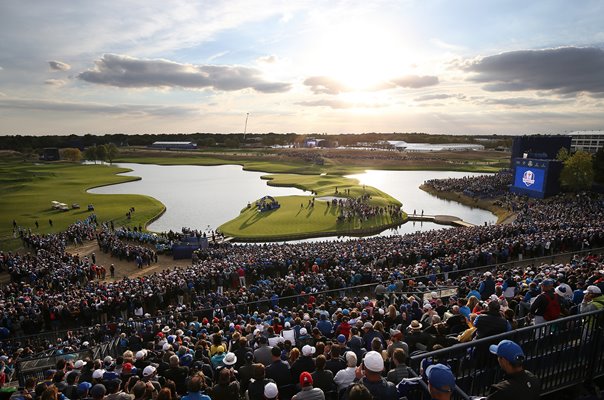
(308, 392)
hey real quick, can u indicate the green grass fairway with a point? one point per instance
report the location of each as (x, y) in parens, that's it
(296, 219)
(28, 189)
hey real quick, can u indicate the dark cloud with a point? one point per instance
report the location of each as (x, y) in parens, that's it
(94, 108)
(415, 81)
(124, 71)
(59, 66)
(440, 96)
(566, 70)
(325, 85)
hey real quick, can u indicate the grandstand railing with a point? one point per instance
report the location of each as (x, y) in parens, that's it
(562, 353)
(36, 366)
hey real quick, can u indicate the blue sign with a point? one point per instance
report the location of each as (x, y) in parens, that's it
(529, 178)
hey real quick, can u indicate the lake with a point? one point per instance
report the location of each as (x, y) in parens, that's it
(204, 197)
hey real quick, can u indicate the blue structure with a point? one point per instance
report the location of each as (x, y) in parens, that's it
(185, 248)
(535, 177)
(267, 203)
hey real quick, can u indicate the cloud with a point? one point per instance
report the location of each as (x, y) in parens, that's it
(337, 104)
(129, 72)
(415, 81)
(272, 59)
(565, 70)
(440, 96)
(59, 66)
(95, 108)
(521, 101)
(325, 85)
(55, 82)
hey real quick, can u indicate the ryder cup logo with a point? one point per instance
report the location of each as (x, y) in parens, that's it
(528, 178)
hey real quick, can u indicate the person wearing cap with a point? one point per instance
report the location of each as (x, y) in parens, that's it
(149, 376)
(114, 391)
(441, 381)
(370, 334)
(369, 373)
(593, 299)
(304, 363)
(547, 305)
(417, 339)
(98, 391)
(487, 286)
(48, 376)
(271, 391)
(518, 383)
(246, 371)
(278, 370)
(307, 391)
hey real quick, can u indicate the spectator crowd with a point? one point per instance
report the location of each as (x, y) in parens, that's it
(285, 320)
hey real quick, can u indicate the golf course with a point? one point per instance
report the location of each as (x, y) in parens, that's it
(29, 188)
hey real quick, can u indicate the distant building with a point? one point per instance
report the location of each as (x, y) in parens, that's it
(589, 141)
(401, 145)
(312, 142)
(50, 154)
(174, 145)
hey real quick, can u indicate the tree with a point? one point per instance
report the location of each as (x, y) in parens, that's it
(578, 172)
(112, 152)
(563, 154)
(231, 142)
(207, 142)
(599, 165)
(90, 153)
(71, 154)
(101, 152)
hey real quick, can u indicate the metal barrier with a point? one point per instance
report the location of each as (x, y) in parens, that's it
(36, 366)
(562, 353)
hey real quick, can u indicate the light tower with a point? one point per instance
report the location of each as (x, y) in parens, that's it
(247, 115)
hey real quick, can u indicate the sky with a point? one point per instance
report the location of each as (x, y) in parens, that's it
(172, 66)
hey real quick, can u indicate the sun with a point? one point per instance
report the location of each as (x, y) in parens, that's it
(359, 55)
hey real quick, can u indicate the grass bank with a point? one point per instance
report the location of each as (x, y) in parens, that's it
(29, 188)
(503, 215)
(297, 218)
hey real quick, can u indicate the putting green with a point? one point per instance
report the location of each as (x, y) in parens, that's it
(28, 189)
(296, 218)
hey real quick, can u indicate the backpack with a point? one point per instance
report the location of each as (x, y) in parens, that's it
(552, 310)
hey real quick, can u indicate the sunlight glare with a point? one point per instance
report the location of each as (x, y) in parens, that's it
(361, 56)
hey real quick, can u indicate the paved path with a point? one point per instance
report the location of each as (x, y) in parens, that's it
(440, 219)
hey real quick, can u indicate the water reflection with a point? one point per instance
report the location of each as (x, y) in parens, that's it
(204, 197)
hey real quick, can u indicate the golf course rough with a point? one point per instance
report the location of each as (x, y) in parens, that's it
(28, 190)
